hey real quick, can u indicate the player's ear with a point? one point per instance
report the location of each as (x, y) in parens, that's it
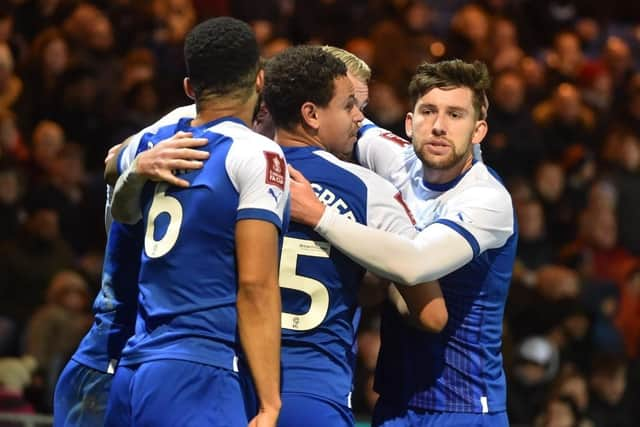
(188, 89)
(260, 80)
(479, 132)
(408, 124)
(309, 113)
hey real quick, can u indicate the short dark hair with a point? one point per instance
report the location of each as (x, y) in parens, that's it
(452, 74)
(222, 56)
(297, 75)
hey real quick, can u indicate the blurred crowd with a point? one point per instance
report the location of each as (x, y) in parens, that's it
(77, 77)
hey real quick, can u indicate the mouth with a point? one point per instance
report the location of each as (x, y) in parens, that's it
(437, 147)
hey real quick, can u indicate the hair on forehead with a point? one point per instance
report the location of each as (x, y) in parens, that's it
(453, 74)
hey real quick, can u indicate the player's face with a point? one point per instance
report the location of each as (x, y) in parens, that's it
(443, 127)
(340, 120)
(361, 90)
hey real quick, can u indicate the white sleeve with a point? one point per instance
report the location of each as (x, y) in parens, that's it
(260, 176)
(380, 150)
(482, 215)
(435, 252)
(128, 153)
(439, 249)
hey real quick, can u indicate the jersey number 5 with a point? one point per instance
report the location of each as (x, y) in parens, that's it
(291, 249)
(162, 203)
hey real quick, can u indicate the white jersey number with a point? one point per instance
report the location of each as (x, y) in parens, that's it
(318, 293)
(162, 203)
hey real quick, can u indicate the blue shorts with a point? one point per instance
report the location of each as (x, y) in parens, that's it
(389, 416)
(81, 396)
(179, 393)
(313, 411)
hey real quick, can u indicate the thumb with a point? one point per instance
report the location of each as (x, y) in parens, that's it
(296, 175)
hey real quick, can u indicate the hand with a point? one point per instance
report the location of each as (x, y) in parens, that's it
(112, 152)
(176, 153)
(305, 206)
(266, 418)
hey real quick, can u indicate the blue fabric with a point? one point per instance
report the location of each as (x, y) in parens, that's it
(81, 396)
(386, 415)
(312, 411)
(169, 393)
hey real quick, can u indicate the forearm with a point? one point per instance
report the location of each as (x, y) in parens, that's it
(435, 252)
(259, 307)
(125, 205)
(259, 312)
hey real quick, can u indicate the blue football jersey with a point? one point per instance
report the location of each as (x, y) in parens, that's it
(459, 369)
(115, 306)
(188, 277)
(320, 284)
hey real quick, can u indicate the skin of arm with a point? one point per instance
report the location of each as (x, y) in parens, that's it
(259, 310)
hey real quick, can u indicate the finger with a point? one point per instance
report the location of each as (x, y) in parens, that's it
(191, 154)
(190, 142)
(185, 164)
(174, 180)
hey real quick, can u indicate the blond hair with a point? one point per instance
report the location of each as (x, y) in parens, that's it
(356, 66)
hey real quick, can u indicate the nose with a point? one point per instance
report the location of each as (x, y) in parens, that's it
(438, 128)
(358, 116)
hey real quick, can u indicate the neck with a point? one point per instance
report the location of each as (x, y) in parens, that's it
(213, 110)
(297, 137)
(442, 176)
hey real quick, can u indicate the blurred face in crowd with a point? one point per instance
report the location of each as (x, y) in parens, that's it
(602, 229)
(559, 414)
(509, 92)
(567, 103)
(550, 181)
(610, 387)
(48, 140)
(9, 187)
(55, 56)
(443, 126)
(530, 220)
(575, 387)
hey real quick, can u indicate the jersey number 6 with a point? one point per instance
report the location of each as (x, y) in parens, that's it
(162, 203)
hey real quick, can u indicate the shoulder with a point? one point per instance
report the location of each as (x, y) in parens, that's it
(483, 186)
(246, 140)
(367, 177)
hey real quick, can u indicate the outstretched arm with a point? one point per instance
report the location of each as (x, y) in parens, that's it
(435, 252)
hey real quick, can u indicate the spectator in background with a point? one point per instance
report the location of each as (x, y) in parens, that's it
(564, 120)
(28, 262)
(10, 83)
(15, 377)
(626, 176)
(513, 146)
(65, 187)
(535, 365)
(56, 328)
(11, 146)
(612, 404)
(565, 59)
(46, 62)
(628, 316)
(47, 141)
(10, 192)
